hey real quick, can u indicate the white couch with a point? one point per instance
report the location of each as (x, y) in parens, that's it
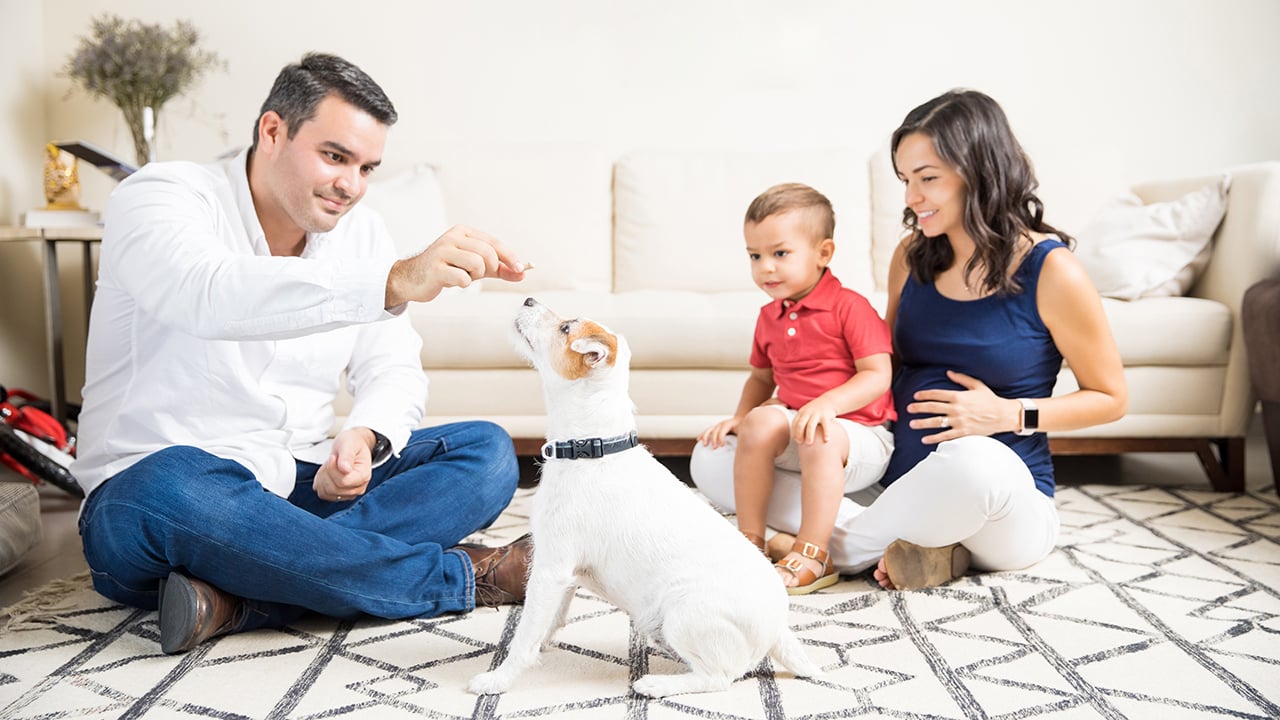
(651, 244)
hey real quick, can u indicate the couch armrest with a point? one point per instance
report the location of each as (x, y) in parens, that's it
(1246, 249)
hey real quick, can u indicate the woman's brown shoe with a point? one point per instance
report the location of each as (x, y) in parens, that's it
(912, 567)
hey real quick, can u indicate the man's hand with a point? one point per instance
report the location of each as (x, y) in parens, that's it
(345, 473)
(456, 259)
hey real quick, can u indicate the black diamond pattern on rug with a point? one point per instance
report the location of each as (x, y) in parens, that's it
(1158, 602)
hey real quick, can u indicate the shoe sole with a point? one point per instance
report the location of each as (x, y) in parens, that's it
(823, 582)
(913, 567)
(178, 603)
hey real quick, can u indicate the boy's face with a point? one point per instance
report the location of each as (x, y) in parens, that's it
(786, 260)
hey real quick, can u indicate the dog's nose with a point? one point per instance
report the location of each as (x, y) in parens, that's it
(530, 302)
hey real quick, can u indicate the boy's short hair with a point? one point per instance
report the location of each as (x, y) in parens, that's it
(795, 196)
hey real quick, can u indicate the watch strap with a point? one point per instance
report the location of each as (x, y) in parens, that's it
(381, 447)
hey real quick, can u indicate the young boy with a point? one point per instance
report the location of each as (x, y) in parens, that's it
(826, 351)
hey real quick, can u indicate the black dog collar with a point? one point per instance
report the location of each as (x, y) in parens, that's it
(588, 448)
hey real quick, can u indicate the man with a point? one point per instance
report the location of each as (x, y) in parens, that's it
(231, 299)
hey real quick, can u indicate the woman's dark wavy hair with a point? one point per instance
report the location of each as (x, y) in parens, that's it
(971, 133)
(300, 87)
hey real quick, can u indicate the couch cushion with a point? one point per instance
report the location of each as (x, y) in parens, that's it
(551, 204)
(1133, 250)
(411, 204)
(1170, 330)
(888, 199)
(474, 331)
(678, 215)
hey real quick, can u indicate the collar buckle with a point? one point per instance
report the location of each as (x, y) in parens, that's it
(588, 448)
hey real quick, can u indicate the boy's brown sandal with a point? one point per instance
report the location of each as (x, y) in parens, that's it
(806, 580)
(755, 539)
(779, 545)
(912, 567)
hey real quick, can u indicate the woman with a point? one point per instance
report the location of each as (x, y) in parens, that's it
(985, 302)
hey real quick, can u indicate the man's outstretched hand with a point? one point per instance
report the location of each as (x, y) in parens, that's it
(456, 259)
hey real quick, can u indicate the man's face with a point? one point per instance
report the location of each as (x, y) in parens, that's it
(323, 171)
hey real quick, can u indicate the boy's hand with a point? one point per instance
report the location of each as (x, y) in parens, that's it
(817, 414)
(714, 436)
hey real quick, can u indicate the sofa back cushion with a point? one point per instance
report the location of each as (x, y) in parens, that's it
(549, 204)
(678, 215)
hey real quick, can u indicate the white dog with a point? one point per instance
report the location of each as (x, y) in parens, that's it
(611, 518)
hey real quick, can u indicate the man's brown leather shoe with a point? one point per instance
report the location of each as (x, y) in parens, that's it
(192, 611)
(502, 572)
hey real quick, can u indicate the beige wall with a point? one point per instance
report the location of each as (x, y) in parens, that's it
(23, 86)
(1102, 92)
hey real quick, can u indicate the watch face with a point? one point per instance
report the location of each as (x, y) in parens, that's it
(1031, 418)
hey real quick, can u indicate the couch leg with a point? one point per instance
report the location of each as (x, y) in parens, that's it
(1271, 428)
(1226, 468)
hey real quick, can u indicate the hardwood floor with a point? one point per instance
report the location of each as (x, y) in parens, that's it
(59, 555)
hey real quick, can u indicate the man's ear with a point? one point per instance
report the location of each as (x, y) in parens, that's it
(271, 129)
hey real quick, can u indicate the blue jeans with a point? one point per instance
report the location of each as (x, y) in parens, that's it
(385, 554)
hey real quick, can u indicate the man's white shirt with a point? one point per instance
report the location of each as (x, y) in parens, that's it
(200, 337)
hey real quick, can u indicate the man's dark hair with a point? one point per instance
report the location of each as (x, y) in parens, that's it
(300, 87)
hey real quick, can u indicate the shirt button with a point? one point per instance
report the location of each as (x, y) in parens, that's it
(793, 316)
(791, 331)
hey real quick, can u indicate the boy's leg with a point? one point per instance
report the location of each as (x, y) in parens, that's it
(822, 481)
(762, 436)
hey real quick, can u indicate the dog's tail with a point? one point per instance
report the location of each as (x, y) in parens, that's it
(789, 652)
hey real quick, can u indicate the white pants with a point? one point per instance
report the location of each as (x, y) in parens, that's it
(972, 490)
(870, 447)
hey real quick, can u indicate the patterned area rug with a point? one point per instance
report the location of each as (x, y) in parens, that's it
(1158, 602)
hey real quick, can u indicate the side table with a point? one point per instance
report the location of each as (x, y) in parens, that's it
(87, 237)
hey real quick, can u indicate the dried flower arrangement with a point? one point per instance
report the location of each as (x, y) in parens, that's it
(139, 67)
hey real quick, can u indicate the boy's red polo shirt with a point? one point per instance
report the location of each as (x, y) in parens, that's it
(811, 345)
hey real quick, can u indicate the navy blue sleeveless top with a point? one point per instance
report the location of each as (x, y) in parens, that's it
(1000, 340)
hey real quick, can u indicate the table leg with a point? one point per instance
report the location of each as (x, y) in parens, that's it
(89, 277)
(53, 330)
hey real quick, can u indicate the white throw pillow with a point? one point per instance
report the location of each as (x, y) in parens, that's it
(1131, 250)
(411, 204)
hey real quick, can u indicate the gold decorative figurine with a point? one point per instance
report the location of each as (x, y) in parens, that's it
(61, 179)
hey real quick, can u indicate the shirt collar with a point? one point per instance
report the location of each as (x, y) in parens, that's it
(822, 297)
(237, 169)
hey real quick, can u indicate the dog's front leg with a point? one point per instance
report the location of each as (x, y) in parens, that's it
(545, 600)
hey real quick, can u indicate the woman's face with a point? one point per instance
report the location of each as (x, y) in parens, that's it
(935, 192)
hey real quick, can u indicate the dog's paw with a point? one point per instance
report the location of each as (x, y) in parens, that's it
(490, 683)
(651, 686)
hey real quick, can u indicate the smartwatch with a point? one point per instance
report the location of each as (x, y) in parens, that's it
(381, 447)
(1030, 417)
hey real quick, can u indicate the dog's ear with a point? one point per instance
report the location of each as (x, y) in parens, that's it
(595, 349)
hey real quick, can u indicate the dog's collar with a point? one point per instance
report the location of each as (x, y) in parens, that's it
(589, 447)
